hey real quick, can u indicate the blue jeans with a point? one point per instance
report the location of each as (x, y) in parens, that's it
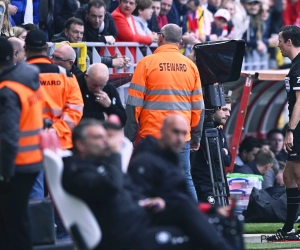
(184, 161)
(37, 190)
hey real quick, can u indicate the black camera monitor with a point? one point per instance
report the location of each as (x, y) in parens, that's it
(220, 61)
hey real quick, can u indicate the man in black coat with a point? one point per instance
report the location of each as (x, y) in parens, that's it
(94, 174)
(99, 25)
(100, 98)
(200, 168)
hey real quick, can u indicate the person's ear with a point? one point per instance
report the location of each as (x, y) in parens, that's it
(16, 53)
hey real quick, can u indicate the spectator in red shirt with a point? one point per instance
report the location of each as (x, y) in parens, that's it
(127, 30)
(291, 13)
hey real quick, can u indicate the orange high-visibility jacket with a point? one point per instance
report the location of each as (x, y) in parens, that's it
(63, 100)
(29, 154)
(164, 83)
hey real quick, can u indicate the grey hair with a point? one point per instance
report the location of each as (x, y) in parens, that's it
(172, 33)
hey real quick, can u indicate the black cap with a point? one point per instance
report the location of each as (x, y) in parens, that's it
(6, 51)
(36, 40)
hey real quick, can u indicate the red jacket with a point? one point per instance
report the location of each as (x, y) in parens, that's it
(291, 14)
(125, 33)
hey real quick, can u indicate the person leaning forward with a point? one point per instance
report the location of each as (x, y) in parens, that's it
(63, 101)
(164, 83)
(21, 120)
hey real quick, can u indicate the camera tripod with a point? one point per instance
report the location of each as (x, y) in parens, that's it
(214, 98)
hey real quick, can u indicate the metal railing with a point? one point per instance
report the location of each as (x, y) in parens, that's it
(253, 60)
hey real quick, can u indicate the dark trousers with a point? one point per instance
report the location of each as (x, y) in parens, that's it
(14, 225)
(180, 226)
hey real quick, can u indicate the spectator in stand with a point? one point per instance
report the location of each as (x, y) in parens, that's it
(27, 12)
(141, 14)
(247, 150)
(221, 27)
(232, 7)
(63, 10)
(65, 56)
(73, 33)
(127, 30)
(276, 139)
(46, 10)
(99, 25)
(254, 36)
(213, 5)
(29, 26)
(262, 162)
(199, 20)
(291, 13)
(19, 32)
(5, 25)
(178, 14)
(153, 22)
(19, 51)
(164, 10)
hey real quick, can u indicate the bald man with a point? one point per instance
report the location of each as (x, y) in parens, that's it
(19, 51)
(64, 56)
(100, 98)
(156, 161)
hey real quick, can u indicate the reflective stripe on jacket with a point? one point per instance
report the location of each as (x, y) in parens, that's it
(63, 101)
(31, 123)
(164, 83)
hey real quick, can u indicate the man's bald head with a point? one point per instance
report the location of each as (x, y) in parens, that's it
(64, 56)
(18, 47)
(171, 33)
(67, 51)
(173, 132)
(96, 77)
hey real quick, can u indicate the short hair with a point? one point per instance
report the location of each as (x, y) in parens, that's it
(18, 31)
(78, 132)
(264, 156)
(141, 5)
(196, 2)
(248, 144)
(172, 33)
(73, 20)
(291, 32)
(274, 131)
(95, 3)
(29, 26)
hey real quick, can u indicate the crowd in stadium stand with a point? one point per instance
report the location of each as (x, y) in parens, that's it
(255, 21)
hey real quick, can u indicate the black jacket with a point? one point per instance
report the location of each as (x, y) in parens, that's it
(100, 183)
(91, 34)
(199, 165)
(157, 172)
(92, 109)
(63, 10)
(10, 112)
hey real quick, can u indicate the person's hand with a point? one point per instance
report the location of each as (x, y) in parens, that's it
(118, 62)
(103, 99)
(194, 146)
(225, 211)
(12, 9)
(189, 38)
(110, 39)
(153, 36)
(156, 204)
(261, 47)
(288, 141)
(273, 40)
(213, 37)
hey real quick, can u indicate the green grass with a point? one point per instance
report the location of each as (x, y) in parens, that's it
(261, 228)
(254, 246)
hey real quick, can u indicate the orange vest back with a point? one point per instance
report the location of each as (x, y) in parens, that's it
(31, 123)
